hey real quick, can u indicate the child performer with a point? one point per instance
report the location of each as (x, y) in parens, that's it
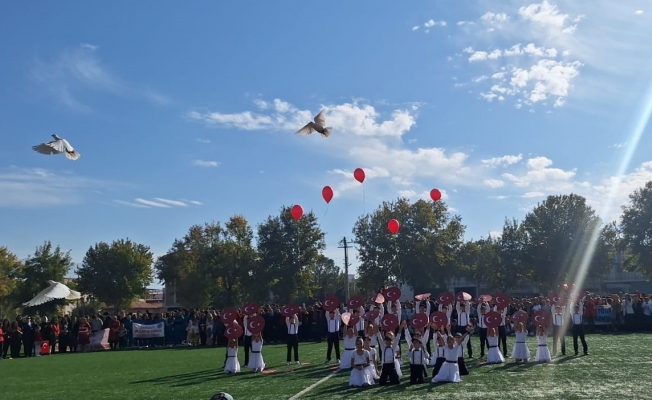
(558, 331)
(450, 372)
(463, 340)
(373, 365)
(494, 356)
(256, 361)
(520, 352)
(578, 327)
(359, 326)
(333, 325)
(232, 365)
(38, 339)
(440, 337)
(349, 347)
(292, 324)
(463, 320)
(391, 366)
(543, 353)
(418, 361)
(502, 331)
(360, 362)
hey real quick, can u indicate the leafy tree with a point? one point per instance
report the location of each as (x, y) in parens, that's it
(329, 279)
(289, 251)
(480, 260)
(637, 230)
(116, 273)
(45, 264)
(558, 234)
(422, 254)
(10, 269)
(213, 265)
(510, 271)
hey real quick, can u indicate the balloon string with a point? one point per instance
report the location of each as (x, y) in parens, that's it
(363, 200)
(327, 204)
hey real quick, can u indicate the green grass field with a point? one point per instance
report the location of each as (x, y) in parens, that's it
(617, 368)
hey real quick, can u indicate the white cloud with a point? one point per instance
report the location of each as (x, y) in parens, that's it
(528, 195)
(638, 12)
(502, 161)
(152, 203)
(130, 204)
(544, 14)
(432, 22)
(38, 187)
(494, 183)
(349, 118)
(493, 18)
(415, 28)
(195, 202)
(206, 164)
(542, 178)
(78, 71)
(203, 140)
(618, 145)
(496, 234)
(171, 202)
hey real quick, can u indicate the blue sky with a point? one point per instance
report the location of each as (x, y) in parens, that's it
(186, 113)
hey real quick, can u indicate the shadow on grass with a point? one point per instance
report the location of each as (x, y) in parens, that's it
(187, 379)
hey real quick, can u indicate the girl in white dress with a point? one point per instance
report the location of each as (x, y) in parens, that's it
(449, 371)
(373, 365)
(438, 358)
(520, 352)
(360, 362)
(543, 352)
(256, 361)
(494, 356)
(349, 347)
(232, 365)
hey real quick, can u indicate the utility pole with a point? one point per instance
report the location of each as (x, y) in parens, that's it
(346, 247)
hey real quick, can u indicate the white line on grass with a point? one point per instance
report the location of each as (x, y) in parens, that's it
(314, 385)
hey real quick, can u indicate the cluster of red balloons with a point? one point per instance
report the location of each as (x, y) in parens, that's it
(359, 175)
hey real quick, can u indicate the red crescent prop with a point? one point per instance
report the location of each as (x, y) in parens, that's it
(371, 315)
(519, 316)
(290, 310)
(256, 324)
(378, 298)
(439, 318)
(346, 317)
(541, 318)
(355, 302)
(557, 300)
(492, 319)
(502, 300)
(463, 296)
(485, 297)
(419, 320)
(233, 331)
(229, 314)
(422, 296)
(393, 293)
(331, 303)
(446, 298)
(250, 308)
(353, 321)
(389, 322)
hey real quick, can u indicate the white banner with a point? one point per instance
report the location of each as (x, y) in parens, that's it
(141, 331)
(100, 340)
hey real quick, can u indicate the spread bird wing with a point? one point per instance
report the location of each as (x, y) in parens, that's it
(306, 130)
(54, 292)
(48, 148)
(320, 118)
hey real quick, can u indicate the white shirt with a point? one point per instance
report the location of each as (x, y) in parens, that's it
(503, 314)
(418, 357)
(293, 327)
(462, 316)
(449, 311)
(246, 325)
(333, 323)
(481, 323)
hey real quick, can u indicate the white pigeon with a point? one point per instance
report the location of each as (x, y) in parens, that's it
(318, 126)
(55, 291)
(57, 146)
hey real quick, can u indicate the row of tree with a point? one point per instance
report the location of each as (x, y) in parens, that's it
(220, 264)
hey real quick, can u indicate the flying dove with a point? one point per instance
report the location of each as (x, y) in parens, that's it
(317, 126)
(55, 291)
(57, 146)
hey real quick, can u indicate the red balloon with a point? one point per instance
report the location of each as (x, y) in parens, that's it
(393, 226)
(435, 194)
(358, 174)
(327, 193)
(297, 212)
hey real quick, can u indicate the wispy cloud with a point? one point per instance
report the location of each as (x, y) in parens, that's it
(203, 140)
(38, 187)
(157, 202)
(206, 164)
(76, 73)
